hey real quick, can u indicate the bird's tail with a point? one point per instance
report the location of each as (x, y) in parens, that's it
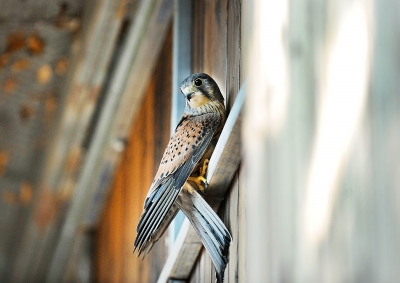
(211, 230)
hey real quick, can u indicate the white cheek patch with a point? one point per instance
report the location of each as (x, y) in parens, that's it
(198, 100)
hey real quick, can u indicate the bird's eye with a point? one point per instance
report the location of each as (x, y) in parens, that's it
(198, 82)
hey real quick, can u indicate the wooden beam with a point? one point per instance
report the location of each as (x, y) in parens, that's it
(115, 234)
(146, 38)
(138, 56)
(222, 168)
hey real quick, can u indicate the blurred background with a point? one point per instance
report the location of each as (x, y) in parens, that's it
(307, 171)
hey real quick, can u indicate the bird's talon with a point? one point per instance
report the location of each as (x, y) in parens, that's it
(201, 178)
(198, 181)
(204, 168)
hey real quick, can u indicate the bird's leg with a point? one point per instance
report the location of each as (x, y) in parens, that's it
(201, 178)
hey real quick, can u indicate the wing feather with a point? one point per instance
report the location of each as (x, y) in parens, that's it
(186, 147)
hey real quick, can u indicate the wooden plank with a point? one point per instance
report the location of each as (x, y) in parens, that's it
(233, 51)
(222, 168)
(227, 155)
(209, 41)
(113, 258)
(232, 219)
(241, 264)
(183, 238)
(137, 59)
(320, 175)
(146, 38)
(80, 267)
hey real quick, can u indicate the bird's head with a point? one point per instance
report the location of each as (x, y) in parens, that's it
(200, 89)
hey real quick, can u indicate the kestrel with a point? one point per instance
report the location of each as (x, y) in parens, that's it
(185, 159)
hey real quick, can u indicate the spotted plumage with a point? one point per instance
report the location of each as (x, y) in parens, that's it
(174, 156)
(190, 146)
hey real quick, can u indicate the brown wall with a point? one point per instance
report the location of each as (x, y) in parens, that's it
(114, 261)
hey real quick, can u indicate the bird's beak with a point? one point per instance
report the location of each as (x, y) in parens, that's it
(187, 92)
(189, 96)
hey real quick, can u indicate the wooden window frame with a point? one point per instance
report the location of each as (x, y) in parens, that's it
(181, 69)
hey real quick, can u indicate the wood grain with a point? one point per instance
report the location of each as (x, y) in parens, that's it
(144, 39)
(114, 260)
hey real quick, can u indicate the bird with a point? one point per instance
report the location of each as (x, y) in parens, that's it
(180, 180)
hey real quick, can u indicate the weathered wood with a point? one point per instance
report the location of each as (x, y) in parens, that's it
(227, 155)
(114, 261)
(233, 51)
(209, 40)
(231, 217)
(174, 255)
(80, 267)
(241, 264)
(88, 65)
(321, 144)
(222, 168)
(265, 117)
(144, 39)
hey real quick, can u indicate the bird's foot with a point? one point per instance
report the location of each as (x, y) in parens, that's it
(204, 167)
(198, 181)
(201, 178)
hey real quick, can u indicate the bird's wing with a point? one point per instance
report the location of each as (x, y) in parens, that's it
(161, 230)
(184, 150)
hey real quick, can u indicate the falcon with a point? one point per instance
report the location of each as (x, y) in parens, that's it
(181, 175)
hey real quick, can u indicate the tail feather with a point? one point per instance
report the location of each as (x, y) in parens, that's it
(220, 261)
(211, 230)
(216, 222)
